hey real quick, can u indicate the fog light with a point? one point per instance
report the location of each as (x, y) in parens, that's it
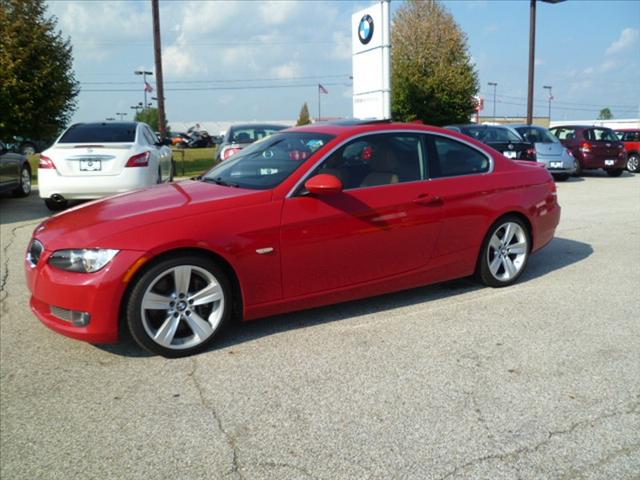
(79, 319)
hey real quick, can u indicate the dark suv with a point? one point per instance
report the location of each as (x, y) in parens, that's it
(593, 147)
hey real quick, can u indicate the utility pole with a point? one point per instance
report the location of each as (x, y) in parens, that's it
(162, 120)
(548, 87)
(532, 55)
(494, 85)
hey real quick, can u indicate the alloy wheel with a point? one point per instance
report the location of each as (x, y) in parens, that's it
(633, 163)
(507, 251)
(182, 307)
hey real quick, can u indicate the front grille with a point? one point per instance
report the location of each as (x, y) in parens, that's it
(35, 252)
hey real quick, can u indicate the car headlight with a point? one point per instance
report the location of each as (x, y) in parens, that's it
(87, 260)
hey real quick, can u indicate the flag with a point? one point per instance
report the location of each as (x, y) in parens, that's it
(321, 89)
(147, 87)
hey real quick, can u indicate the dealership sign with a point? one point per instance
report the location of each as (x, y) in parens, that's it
(371, 43)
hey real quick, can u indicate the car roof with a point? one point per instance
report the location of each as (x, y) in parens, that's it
(107, 124)
(257, 125)
(581, 126)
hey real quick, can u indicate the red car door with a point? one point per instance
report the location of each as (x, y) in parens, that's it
(381, 225)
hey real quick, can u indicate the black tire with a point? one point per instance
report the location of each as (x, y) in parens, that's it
(615, 173)
(578, 171)
(24, 182)
(484, 272)
(561, 177)
(159, 279)
(633, 163)
(55, 206)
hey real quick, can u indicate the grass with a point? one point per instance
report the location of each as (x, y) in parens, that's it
(190, 162)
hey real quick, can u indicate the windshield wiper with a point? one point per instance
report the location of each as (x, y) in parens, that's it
(219, 181)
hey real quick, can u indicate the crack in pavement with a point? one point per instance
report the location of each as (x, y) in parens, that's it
(235, 464)
(634, 408)
(608, 458)
(297, 468)
(5, 259)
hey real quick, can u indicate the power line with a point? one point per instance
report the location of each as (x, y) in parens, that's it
(200, 89)
(227, 80)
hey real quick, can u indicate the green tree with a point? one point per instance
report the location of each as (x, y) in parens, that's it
(150, 117)
(605, 114)
(303, 118)
(433, 79)
(38, 88)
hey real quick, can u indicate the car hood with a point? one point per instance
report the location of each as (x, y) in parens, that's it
(88, 224)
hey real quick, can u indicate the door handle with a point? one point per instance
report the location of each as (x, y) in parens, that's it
(428, 200)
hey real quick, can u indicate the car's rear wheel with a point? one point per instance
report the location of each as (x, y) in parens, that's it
(24, 187)
(505, 252)
(177, 306)
(55, 205)
(633, 163)
(578, 171)
(615, 173)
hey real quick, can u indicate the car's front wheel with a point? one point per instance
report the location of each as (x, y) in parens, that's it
(177, 306)
(633, 163)
(24, 187)
(505, 252)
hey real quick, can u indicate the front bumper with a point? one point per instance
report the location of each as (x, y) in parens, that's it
(100, 294)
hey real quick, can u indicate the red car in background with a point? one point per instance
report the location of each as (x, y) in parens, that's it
(630, 137)
(307, 217)
(593, 147)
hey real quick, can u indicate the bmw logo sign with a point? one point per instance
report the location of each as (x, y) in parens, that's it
(365, 29)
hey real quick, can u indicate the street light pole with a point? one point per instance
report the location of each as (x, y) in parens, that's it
(144, 74)
(157, 49)
(494, 85)
(121, 114)
(548, 87)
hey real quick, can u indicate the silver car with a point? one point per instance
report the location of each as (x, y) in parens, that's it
(558, 160)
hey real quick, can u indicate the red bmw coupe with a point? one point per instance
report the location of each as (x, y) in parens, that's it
(306, 217)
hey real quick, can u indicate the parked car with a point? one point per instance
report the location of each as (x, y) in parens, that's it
(555, 156)
(307, 217)
(630, 138)
(27, 146)
(501, 138)
(593, 147)
(179, 139)
(93, 160)
(239, 136)
(15, 172)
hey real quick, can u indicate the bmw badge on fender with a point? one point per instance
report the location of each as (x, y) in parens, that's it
(306, 217)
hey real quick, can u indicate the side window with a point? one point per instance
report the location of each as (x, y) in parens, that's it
(564, 133)
(588, 135)
(451, 158)
(376, 160)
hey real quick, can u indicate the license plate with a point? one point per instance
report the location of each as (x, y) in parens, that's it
(555, 164)
(90, 165)
(609, 163)
(510, 154)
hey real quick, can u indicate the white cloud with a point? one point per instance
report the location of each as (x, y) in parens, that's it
(628, 38)
(288, 70)
(277, 12)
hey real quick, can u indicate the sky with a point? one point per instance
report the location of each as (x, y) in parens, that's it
(261, 60)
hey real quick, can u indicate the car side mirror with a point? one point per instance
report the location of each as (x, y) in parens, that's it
(324, 184)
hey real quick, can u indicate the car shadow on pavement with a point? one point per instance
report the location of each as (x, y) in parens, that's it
(560, 253)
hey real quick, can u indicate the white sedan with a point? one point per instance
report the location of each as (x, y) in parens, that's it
(93, 160)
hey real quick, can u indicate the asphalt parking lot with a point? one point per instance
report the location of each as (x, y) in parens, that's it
(539, 380)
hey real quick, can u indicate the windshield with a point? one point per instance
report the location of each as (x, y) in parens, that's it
(250, 134)
(100, 133)
(491, 134)
(536, 135)
(267, 162)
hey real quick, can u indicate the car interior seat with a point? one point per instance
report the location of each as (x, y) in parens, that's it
(384, 164)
